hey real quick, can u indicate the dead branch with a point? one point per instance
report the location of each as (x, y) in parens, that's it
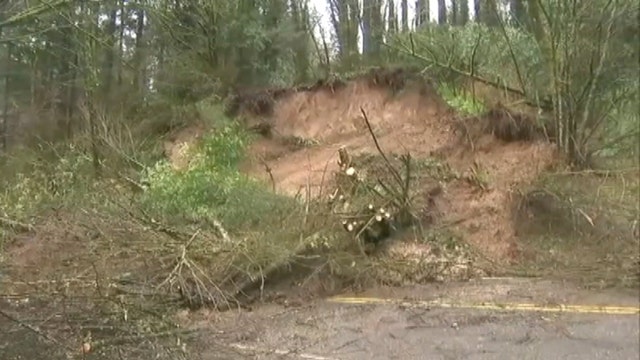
(137, 338)
(32, 329)
(269, 171)
(253, 279)
(15, 225)
(393, 170)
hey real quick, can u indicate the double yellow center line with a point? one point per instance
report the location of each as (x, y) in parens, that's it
(559, 308)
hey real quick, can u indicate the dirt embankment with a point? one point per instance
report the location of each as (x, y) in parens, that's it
(493, 155)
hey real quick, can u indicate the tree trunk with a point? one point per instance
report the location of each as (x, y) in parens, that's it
(463, 17)
(422, 12)
(392, 20)
(367, 36)
(345, 17)
(274, 14)
(300, 15)
(477, 10)
(405, 15)
(442, 12)
(72, 95)
(7, 88)
(377, 28)
(518, 12)
(123, 17)
(455, 15)
(139, 73)
(488, 12)
(109, 58)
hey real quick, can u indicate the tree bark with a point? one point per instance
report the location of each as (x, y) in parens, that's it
(392, 20)
(422, 12)
(488, 12)
(442, 12)
(463, 16)
(139, 74)
(518, 13)
(377, 27)
(5, 107)
(109, 58)
(455, 13)
(123, 18)
(405, 15)
(367, 36)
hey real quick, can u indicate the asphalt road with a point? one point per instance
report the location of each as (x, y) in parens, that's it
(328, 331)
(409, 329)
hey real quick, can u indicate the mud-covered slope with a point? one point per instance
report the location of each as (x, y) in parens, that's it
(498, 152)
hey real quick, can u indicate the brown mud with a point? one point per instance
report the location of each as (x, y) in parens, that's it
(499, 152)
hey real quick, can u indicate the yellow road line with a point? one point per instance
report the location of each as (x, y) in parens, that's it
(584, 309)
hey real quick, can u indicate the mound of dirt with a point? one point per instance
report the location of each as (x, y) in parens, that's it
(494, 154)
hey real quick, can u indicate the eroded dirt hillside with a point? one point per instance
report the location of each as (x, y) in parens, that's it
(494, 154)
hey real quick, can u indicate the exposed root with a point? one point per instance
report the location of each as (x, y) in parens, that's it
(502, 123)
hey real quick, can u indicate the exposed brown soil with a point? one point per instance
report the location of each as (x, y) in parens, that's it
(406, 115)
(502, 148)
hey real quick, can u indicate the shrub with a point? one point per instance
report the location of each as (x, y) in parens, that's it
(212, 186)
(461, 100)
(34, 180)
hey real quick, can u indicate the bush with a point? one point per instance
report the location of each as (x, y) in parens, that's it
(460, 100)
(212, 186)
(36, 179)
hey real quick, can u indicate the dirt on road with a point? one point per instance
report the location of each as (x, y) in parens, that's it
(329, 331)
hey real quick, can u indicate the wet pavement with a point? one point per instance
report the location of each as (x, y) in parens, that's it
(326, 330)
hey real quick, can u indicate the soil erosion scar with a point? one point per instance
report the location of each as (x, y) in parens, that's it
(583, 309)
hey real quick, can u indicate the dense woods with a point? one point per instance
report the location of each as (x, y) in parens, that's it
(576, 61)
(130, 190)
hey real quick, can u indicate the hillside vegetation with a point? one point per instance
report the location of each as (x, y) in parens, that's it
(158, 156)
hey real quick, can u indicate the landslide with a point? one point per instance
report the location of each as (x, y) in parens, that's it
(489, 156)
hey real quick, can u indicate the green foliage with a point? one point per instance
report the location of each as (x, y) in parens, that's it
(576, 59)
(224, 149)
(446, 48)
(211, 111)
(212, 186)
(462, 101)
(232, 44)
(621, 132)
(35, 180)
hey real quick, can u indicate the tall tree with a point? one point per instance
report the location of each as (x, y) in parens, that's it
(300, 17)
(517, 11)
(372, 27)
(345, 18)
(392, 19)
(377, 24)
(405, 15)
(367, 31)
(442, 12)
(422, 12)
(139, 73)
(487, 12)
(109, 52)
(455, 16)
(463, 16)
